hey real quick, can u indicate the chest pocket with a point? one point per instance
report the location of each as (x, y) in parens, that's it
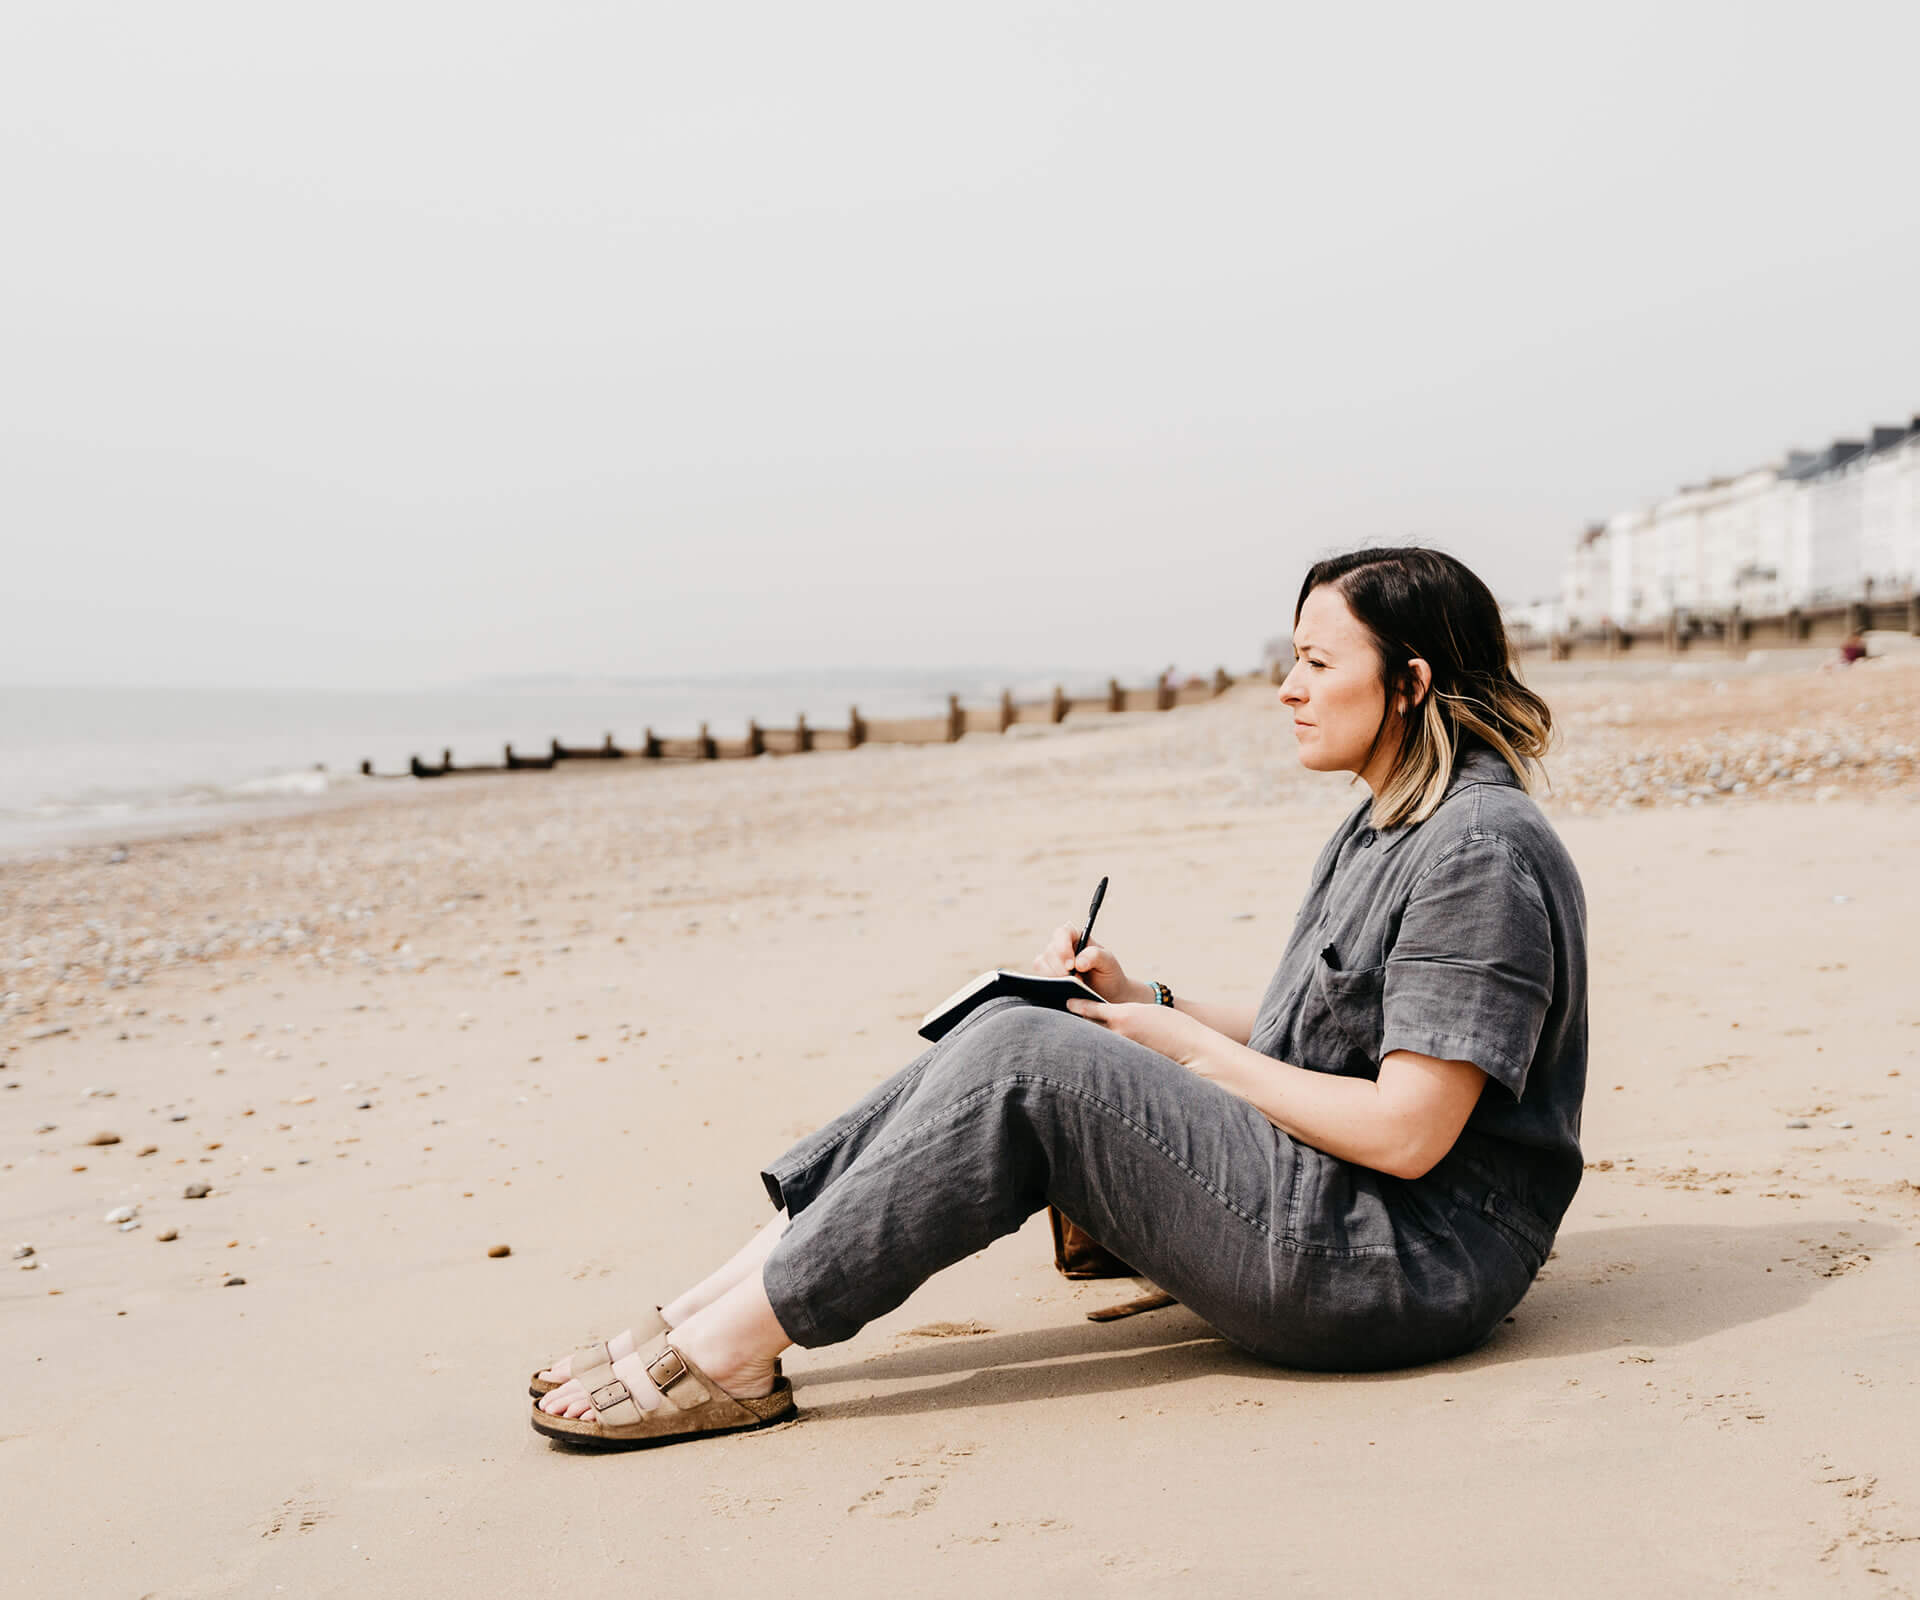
(1341, 1022)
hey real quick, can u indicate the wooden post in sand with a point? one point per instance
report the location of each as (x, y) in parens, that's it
(650, 745)
(366, 767)
(1006, 709)
(1736, 633)
(1057, 710)
(1913, 612)
(802, 734)
(756, 740)
(709, 751)
(1221, 681)
(1796, 625)
(1163, 692)
(1116, 696)
(856, 729)
(956, 719)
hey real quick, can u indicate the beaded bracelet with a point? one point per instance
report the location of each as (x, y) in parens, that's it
(1162, 995)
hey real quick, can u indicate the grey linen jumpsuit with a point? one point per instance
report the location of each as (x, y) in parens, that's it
(1461, 937)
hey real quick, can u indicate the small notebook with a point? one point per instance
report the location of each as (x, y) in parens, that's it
(1053, 993)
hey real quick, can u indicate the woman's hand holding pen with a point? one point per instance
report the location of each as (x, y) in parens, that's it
(1094, 965)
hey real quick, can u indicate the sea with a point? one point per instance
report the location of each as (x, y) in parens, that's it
(81, 764)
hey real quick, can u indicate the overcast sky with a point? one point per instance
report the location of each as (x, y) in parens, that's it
(398, 344)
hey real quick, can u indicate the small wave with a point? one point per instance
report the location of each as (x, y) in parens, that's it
(289, 783)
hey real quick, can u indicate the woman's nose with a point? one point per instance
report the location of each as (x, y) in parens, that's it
(1289, 690)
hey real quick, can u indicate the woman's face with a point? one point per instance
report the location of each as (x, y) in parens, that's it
(1334, 691)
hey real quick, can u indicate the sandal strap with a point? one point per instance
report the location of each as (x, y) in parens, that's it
(684, 1384)
(614, 1401)
(586, 1362)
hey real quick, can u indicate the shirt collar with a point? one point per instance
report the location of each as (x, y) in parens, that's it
(1476, 763)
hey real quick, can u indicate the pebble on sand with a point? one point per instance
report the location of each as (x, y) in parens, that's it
(166, 1235)
(496, 1251)
(104, 1138)
(121, 1214)
(22, 1251)
(198, 1191)
(1799, 1122)
(148, 1150)
(46, 1033)
(232, 1280)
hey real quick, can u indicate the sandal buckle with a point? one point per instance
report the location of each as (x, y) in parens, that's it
(609, 1395)
(667, 1369)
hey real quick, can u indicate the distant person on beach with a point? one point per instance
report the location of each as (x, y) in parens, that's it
(1853, 649)
(1364, 1169)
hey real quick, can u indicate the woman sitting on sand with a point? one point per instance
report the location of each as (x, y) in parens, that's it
(1364, 1170)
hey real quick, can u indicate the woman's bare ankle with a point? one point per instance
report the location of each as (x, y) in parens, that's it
(737, 1340)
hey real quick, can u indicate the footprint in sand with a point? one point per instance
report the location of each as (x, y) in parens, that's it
(297, 1515)
(913, 1486)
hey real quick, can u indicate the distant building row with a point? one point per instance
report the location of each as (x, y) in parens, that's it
(1840, 524)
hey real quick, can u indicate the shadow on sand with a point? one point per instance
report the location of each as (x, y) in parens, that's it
(1653, 1287)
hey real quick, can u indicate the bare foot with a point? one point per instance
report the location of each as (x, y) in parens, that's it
(736, 1341)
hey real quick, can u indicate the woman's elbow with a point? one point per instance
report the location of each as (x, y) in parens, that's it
(1416, 1152)
(1412, 1162)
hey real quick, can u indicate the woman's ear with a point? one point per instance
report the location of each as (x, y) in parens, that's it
(1420, 677)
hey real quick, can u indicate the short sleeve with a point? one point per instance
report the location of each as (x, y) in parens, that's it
(1470, 974)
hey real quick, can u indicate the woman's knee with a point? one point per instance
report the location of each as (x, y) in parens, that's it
(1022, 1047)
(1013, 1034)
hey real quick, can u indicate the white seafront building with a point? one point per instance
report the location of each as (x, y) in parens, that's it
(1819, 528)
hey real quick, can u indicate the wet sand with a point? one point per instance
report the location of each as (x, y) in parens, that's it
(573, 1013)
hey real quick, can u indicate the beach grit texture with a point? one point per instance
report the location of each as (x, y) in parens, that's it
(410, 1094)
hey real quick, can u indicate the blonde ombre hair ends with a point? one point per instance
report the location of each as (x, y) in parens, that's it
(1421, 604)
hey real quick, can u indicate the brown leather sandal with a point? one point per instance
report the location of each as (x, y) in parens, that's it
(595, 1356)
(694, 1405)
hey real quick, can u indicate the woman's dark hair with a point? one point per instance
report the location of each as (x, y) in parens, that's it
(1425, 605)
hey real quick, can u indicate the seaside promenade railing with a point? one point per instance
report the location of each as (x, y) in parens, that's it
(1734, 632)
(947, 728)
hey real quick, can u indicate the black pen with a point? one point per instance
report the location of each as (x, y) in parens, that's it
(1086, 933)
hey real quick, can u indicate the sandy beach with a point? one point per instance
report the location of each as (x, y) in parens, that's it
(385, 1036)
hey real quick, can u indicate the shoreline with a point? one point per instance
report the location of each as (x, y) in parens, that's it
(305, 786)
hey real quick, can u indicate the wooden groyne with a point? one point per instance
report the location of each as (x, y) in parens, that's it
(802, 737)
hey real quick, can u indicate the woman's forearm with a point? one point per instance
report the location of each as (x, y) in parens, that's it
(1401, 1124)
(1230, 1018)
